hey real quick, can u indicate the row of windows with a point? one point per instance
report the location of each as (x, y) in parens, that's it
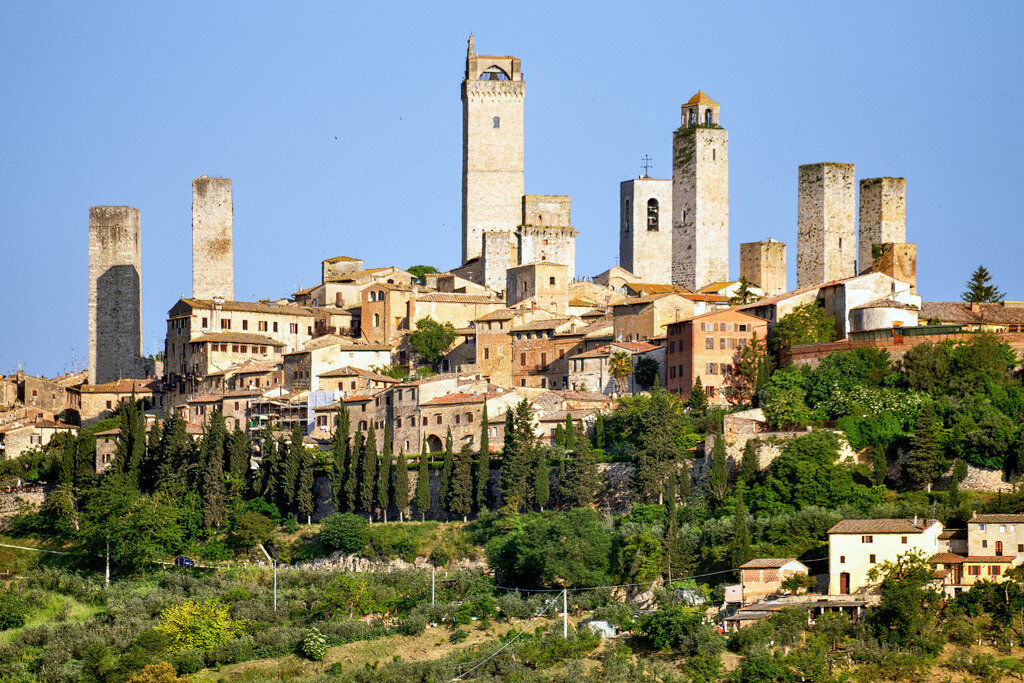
(723, 343)
(239, 348)
(724, 327)
(543, 334)
(261, 325)
(1002, 528)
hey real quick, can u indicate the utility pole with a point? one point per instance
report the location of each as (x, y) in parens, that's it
(565, 615)
(275, 584)
(107, 573)
(431, 586)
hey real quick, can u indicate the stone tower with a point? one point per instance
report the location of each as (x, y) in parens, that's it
(764, 265)
(115, 294)
(546, 232)
(826, 203)
(700, 196)
(213, 265)
(492, 147)
(883, 216)
(645, 228)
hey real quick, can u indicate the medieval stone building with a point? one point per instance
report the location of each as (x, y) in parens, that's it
(213, 269)
(645, 228)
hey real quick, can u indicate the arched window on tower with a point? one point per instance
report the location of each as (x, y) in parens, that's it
(496, 122)
(494, 73)
(708, 117)
(652, 214)
(693, 116)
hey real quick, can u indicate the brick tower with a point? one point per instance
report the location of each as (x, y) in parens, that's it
(492, 148)
(213, 265)
(700, 196)
(825, 248)
(883, 216)
(115, 294)
(645, 228)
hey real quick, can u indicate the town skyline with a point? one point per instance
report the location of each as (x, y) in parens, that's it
(285, 191)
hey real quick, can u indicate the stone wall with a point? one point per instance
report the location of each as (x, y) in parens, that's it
(12, 502)
(547, 243)
(115, 294)
(700, 206)
(826, 247)
(213, 265)
(764, 264)
(499, 254)
(883, 216)
(645, 251)
(898, 260)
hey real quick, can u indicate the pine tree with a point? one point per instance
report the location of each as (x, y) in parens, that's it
(718, 479)
(400, 492)
(581, 479)
(353, 468)
(292, 465)
(423, 483)
(461, 496)
(599, 427)
(384, 475)
(339, 457)
(447, 470)
(214, 503)
(542, 479)
(304, 494)
(748, 465)
(980, 288)
(698, 400)
(927, 459)
(368, 474)
(742, 549)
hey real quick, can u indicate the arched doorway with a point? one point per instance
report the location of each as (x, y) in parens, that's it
(434, 443)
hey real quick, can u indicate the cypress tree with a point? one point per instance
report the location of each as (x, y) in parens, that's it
(927, 459)
(401, 487)
(352, 470)
(570, 432)
(560, 436)
(461, 494)
(542, 479)
(599, 427)
(293, 463)
(269, 467)
(581, 479)
(281, 493)
(384, 475)
(423, 483)
(339, 456)
(239, 452)
(176, 449)
(698, 400)
(304, 495)
(150, 472)
(518, 456)
(212, 490)
(485, 438)
(481, 473)
(658, 446)
(959, 474)
(718, 480)
(742, 550)
(368, 474)
(131, 442)
(447, 470)
(670, 517)
(748, 465)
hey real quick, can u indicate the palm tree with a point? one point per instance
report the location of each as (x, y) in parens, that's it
(621, 366)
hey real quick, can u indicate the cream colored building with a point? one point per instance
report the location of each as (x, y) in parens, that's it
(855, 546)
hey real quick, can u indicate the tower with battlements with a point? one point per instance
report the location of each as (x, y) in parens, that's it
(493, 184)
(115, 294)
(213, 258)
(700, 196)
(883, 217)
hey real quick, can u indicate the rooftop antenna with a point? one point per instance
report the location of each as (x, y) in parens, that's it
(647, 165)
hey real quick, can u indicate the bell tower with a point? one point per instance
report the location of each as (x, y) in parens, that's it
(493, 183)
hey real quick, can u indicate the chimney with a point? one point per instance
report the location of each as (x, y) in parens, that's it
(915, 520)
(974, 514)
(975, 307)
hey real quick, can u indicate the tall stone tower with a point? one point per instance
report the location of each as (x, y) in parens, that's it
(645, 228)
(700, 196)
(826, 203)
(764, 265)
(883, 216)
(213, 264)
(492, 147)
(115, 294)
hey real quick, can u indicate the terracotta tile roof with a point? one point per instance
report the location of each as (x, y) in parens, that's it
(549, 324)
(317, 343)
(249, 366)
(346, 259)
(250, 307)
(237, 338)
(726, 312)
(349, 371)
(457, 298)
(768, 563)
(885, 303)
(123, 386)
(307, 290)
(426, 380)
(359, 274)
(500, 314)
(716, 287)
(998, 559)
(655, 288)
(701, 98)
(608, 349)
(880, 526)
(559, 415)
(580, 302)
(953, 534)
(205, 398)
(947, 558)
(243, 393)
(996, 519)
(455, 399)
(594, 396)
(960, 312)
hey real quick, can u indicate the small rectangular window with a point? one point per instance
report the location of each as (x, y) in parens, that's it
(204, 322)
(903, 540)
(871, 559)
(709, 342)
(487, 354)
(496, 122)
(245, 324)
(984, 544)
(275, 327)
(867, 539)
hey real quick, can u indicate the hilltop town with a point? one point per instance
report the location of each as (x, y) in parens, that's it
(641, 413)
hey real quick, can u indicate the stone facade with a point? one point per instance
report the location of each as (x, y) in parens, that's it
(883, 216)
(500, 252)
(897, 260)
(213, 260)
(700, 196)
(764, 264)
(493, 122)
(826, 247)
(545, 282)
(340, 267)
(645, 229)
(115, 294)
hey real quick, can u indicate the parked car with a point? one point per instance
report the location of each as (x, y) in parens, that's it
(184, 562)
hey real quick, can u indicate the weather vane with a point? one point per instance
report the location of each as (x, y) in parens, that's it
(647, 165)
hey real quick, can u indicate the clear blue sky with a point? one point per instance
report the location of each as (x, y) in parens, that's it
(340, 124)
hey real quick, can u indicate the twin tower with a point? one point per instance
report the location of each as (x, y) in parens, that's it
(115, 275)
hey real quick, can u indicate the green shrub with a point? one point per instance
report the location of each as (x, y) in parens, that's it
(458, 636)
(250, 529)
(13, 610)
(344, 531)
(236, 650)
(314, 645)
(189, 661)
(412, 624)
